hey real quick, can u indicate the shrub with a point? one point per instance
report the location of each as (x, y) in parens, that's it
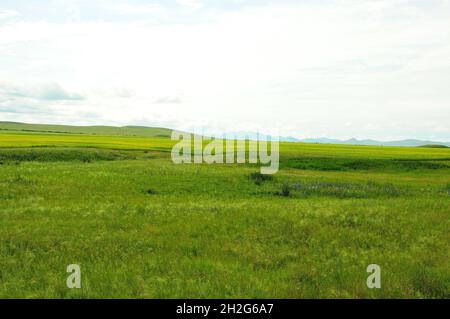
(259, 178)
(151, 191)
(285, 190)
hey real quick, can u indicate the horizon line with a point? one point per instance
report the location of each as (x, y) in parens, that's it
(298, 139)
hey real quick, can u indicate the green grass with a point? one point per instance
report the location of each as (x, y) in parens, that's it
(142, 227)
(352, 164)
(60, 155)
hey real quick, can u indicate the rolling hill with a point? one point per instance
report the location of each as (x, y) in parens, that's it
(92, 130)
(143, 131)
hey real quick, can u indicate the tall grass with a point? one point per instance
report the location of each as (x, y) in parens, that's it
(143, 227)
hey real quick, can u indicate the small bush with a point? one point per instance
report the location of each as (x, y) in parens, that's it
(151, 191)
(285, 190)
(259, 178)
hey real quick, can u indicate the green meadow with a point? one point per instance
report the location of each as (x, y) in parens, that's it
(140, 226)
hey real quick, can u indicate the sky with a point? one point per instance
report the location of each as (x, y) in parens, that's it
(315, 68)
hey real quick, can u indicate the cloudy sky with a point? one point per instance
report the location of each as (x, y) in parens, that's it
(331, 68)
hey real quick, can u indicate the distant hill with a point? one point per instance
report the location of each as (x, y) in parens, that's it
(165, 132)
(352, 141)
(94, 130)
(435, 146)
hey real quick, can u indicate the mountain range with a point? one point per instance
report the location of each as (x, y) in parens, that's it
(352, 141)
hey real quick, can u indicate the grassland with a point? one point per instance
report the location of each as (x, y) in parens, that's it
(142, 227)
(92, 130)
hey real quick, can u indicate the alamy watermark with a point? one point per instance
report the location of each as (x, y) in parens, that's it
(74, 279)
(197, 149)
(374, 279)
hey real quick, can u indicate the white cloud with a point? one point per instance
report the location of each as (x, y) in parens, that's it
(168, 100)
(303, 68)
(44, 92)
(4, 14)
(141, 9)
(190, 3)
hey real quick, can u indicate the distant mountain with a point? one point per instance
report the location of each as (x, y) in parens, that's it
(353, 141)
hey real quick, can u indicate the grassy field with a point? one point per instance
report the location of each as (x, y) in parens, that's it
(93, 130)
(142, 227)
